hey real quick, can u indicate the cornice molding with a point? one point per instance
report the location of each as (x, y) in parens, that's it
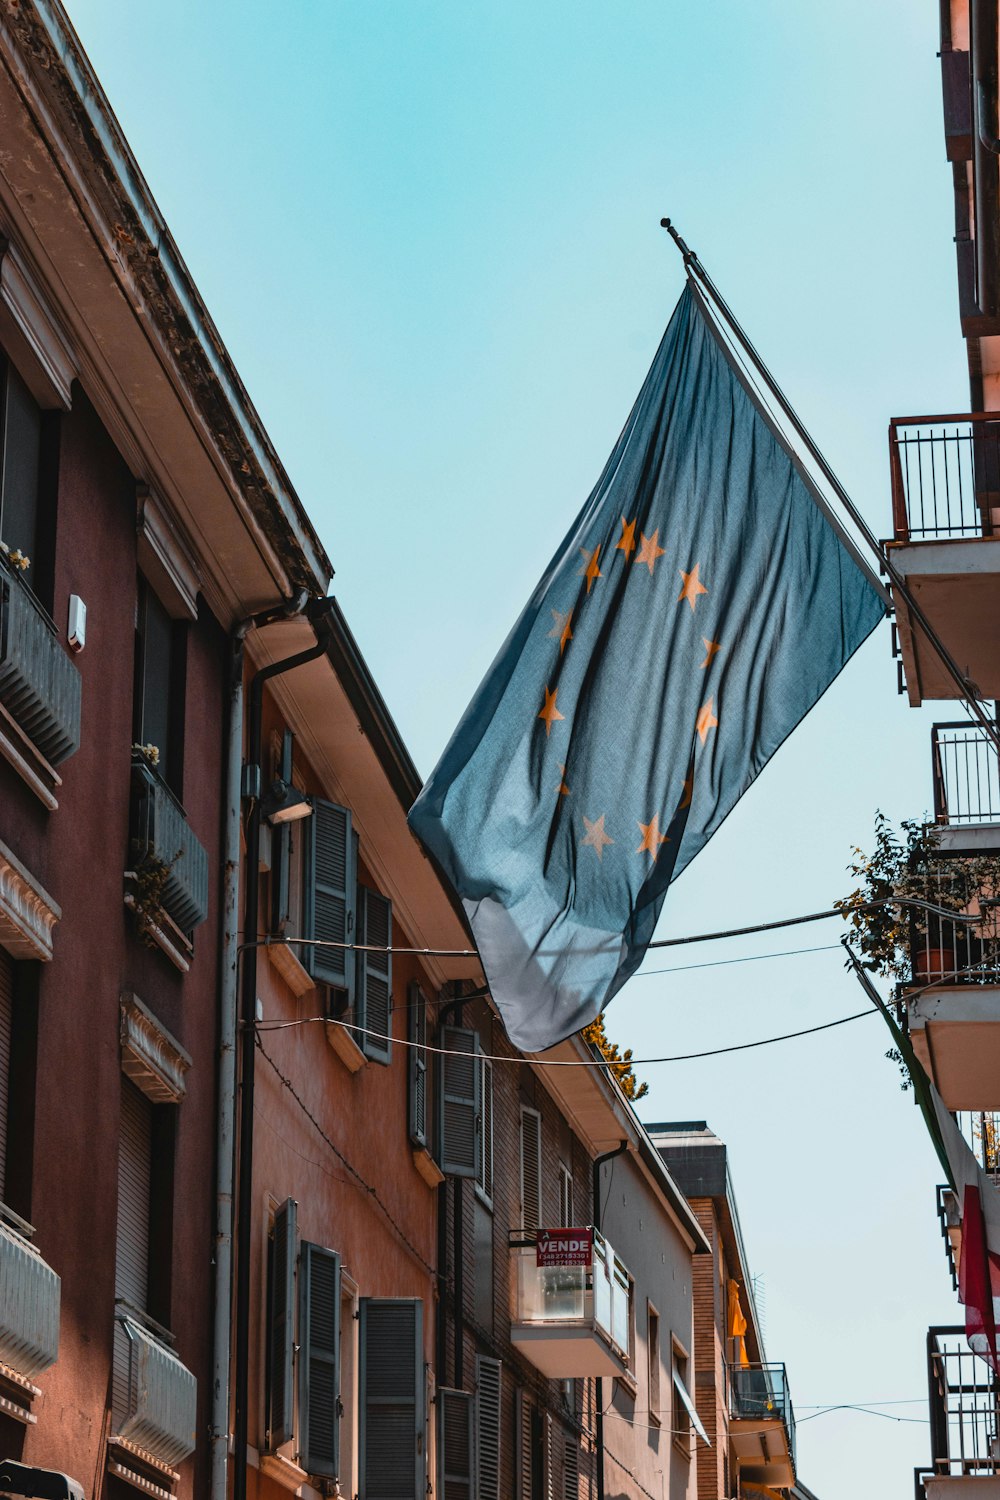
(154, 1061)
(28, 913)
(31, 333)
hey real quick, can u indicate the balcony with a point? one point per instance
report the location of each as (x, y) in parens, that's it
(29, 1313)
(154, 1396)
(951, 996)
(761, 1423)
(946, 522)
(170, 865)
(40, 686)
(966, 790)
(570, 1320)
(963, 1402)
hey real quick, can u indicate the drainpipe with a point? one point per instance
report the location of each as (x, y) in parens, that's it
(319, 615)
(228, 997)
(599, 1393)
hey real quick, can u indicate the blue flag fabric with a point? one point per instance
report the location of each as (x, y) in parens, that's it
(701, 604)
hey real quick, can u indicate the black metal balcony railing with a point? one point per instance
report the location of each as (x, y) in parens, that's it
(950, 1219)
(966, 775)
(963, 1397)
(954, 950)
(945, 476)
(39, 685)
(759, 1391)
(164, 847)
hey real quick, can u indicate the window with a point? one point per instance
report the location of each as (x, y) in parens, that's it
(487, 1447)
(531, 1449)
(330, 896)
(653, 1361)
(484, 1176)
(531, 1168)
(459, 1121)
(456, 1444)
(160, 670)
(22, 423)
(566, 1220)
(416, 1035)
(392, 1422)
(373, 994)
(684, 1416)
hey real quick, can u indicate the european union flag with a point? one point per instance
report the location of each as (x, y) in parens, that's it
(702, 602)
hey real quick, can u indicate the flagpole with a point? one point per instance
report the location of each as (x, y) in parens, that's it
(694, 267)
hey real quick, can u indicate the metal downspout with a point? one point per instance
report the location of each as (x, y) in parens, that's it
(599, 1387)
(319, 614)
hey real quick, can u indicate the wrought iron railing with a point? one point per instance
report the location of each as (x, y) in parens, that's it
(950, 1219)
(966, 772)
(963, 949)
(945, 476)
(759, 1391)
(166, 850)
(963, 1397)
(40, 686)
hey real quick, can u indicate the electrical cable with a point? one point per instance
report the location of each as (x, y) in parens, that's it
(868, 1411)
(746, 958)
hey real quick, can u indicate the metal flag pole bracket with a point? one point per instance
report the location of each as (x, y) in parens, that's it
(695, 269)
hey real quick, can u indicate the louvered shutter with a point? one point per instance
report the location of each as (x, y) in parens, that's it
(528, 1446)
(553, 1459)
(281, 1329)
(531, 1169)
(135, 1163)
(488, 1387)
(319, 1360)
(566, 1220)
(374, 986)
(392, 1457)
(455, 1444)
(282, 841)
(458, 1102)
(416, 1033)
(329, 903)
(571, 1469)
(484, 1179)
(6, 1034)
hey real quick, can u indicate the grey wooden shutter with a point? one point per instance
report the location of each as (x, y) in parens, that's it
(281, 864)
(416, 1033)
(484, 1179)
(571, 1469)
(528, 1442)
(488, 1388)
(319, 1360)
(553, 1459)
(374, 984)
(391, 1438)
(330, 894)
(135, 1165)
(458, 1102)
(6, 1034)
(455, 1444)
(531, 1168)
(281, 1326)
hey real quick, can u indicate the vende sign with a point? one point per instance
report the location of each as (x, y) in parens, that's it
(564, 1247)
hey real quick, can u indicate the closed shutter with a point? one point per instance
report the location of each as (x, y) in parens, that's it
(282, 842)
(374, 986)
(6, 1033)
(484, 1180)
(319, 1361)
(488, 1387)
(566, 1220)
(281, 1330)
(553, 1459)
(416, 1033)
(135, 1161)
(531, 1169)
(571, 1469)
(392, 1459)
(458, 1102)
(530, 1453)
(455, 1444)
(329, 904)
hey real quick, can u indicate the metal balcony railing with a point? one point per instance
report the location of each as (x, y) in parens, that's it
(595, 1296)
(945, 476)
(955, 950)
(40, 686)
(760, 1391)
(164, 847)
(966, 773)
(950, 1219)
(963, 1397)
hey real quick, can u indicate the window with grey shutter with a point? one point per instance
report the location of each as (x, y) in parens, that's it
(393, 1457)
(319, 1360)
(488, 1387)
(374, 975)
(531, 1168)
(6, 1034)
(416, 1035)
(458, 1102)
(531, 1466)
(281, 1326)
(484, 1176)
(571, 1469)
(455, 1444)
(329, 896)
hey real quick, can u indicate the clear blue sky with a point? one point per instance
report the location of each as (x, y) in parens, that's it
(429, 234)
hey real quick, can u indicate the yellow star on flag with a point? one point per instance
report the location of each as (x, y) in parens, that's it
(693, 586)
(710, 646)
(649, 551)
(626, 542)
(560, 631)
(652, 838)
(550, 713)
(596, 838)
(591, 572)
(563, 788)
(706, 720)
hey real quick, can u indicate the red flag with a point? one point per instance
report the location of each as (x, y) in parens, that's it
(979, 1280)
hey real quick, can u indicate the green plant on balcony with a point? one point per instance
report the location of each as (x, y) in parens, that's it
(149, 888)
